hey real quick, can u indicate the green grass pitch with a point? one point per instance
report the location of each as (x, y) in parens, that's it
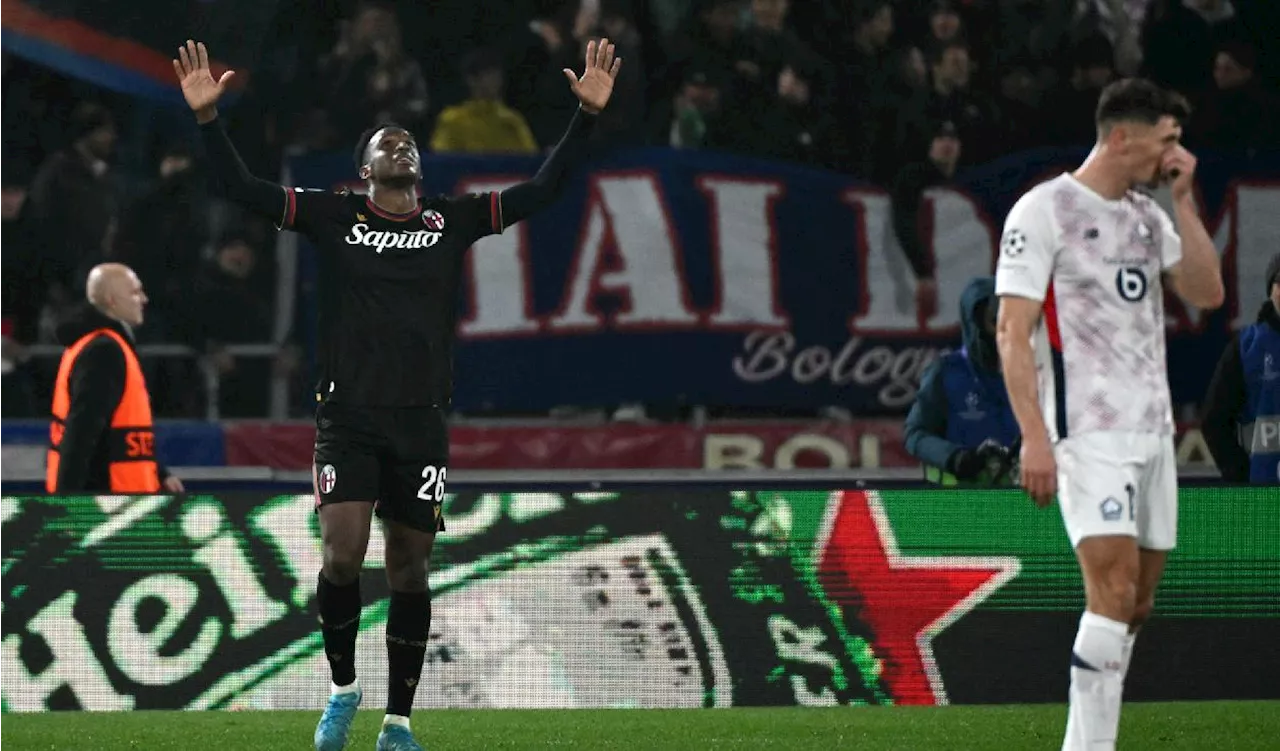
(1238, 726)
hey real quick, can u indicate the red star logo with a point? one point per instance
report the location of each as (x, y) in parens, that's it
(904, 600)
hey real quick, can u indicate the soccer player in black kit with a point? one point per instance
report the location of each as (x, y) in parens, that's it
(390, 266)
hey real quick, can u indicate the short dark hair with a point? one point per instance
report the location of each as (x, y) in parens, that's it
(362, 146)
(1139, 100)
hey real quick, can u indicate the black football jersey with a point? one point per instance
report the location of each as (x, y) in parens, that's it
(388, 291)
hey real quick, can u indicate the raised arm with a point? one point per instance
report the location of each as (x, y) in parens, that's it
(1189, 257)
(593, 90)
(231, 176)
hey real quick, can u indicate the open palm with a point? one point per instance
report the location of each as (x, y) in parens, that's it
(595, 85)
(198, 85)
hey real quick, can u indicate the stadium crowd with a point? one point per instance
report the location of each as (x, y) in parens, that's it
(902, 93)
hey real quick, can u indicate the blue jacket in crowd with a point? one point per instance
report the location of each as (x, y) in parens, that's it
(1241, 421)
(962, 402)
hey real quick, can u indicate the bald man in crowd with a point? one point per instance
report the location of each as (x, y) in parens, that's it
(102, 439)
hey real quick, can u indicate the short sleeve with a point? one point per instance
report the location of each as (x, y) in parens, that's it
(1027, 250)
(308, 208)
(1170, 241)
(476, 215)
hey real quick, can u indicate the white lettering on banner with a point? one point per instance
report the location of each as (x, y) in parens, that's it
(837, 453)
(803, 646)
(895, 371)
(500, 278)
(744, 242)
(630, 249)
(380, 240)
(72, 664)
(732, 451)
(137, 652)
(962, 243)
(277, 521)
(747, 451)
(220, 550)
(492, 508)
(526, 507)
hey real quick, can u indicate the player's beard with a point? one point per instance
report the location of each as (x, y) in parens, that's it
(399, 182)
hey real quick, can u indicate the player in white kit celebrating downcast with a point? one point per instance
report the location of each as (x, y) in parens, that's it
(1082, 346)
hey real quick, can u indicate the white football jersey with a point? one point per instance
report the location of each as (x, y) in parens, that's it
(1096, 264)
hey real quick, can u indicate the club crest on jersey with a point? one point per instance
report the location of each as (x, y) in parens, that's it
(433, 219)
(327, 479)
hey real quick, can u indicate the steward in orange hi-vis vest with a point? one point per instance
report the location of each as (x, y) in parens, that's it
(101, 438)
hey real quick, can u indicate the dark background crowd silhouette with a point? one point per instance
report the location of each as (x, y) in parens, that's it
(903, 94)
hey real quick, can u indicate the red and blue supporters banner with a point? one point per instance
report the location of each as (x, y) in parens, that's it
(127, 45)
(672, 277)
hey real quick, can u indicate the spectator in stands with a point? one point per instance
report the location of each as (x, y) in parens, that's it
(1237, 112)
(483, 124)
(1071, 122)
(1031, 30)
(712, 44)
(226, 309)
(1241, 420)
(20, 303)
(28, 114)
(1022, 118)
(866, 82)
(701, 60)
(953, 98)
(1180, 38)
(163, 233)
(1120, 22)
(779, 89)
(369, 78)
(961, 425)
(535, 81)
(938, 167)
(696, 108)
(69, 216)
(624, 121)
(945, 24)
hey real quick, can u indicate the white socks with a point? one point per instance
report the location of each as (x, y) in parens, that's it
(395, 719)
(1098, 663)
(336, 690)
(1129, 639)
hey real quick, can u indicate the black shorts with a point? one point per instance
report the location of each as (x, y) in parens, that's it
(393, 457)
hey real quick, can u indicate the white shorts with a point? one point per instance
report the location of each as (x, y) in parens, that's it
(1119, 484)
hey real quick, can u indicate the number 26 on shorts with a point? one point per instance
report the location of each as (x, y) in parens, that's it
(433, 484)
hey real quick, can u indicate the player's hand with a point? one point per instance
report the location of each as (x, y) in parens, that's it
(595, 86)
(199, 88)
(1039, 471)
(1182, 162)
(173, 484)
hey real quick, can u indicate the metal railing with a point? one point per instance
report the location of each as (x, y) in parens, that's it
(277, 386)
